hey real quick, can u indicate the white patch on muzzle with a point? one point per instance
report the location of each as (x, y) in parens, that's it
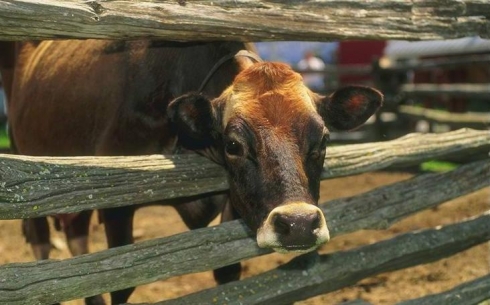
(268, 237)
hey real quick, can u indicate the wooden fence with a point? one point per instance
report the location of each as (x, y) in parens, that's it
(408, 92)
(31, 186)
(37, 186)
(469, 90)
(250, 20)
(398, 117)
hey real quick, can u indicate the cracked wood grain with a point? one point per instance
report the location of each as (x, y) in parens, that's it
(39, 186)
(246, 20)
(209, 248)
(307, 276)
(469, 293)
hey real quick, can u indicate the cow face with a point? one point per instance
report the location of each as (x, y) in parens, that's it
(270, 132)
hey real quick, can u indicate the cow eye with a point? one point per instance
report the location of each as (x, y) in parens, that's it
(317, 152)
(324, 142)
(233, 148)
(315, 155)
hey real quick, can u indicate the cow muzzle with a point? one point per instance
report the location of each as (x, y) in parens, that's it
(294, 227)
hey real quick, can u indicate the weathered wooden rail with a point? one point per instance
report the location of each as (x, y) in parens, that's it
(471, 292)
(476, 120)
(38, 186)
(303, 277)
(145, 262)
(429, 64)
(218, 246)
(462, 90)
(248, 20)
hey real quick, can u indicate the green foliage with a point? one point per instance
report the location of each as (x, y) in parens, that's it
(4, 140)
(438, 166)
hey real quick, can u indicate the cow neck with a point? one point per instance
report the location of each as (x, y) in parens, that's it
(219, 63)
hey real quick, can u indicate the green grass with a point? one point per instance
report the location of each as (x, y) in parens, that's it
(4, 140)
(437, 166)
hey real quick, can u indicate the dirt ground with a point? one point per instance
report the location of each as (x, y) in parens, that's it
(387, 288)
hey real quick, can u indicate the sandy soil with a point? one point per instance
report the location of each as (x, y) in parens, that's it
(387, 288)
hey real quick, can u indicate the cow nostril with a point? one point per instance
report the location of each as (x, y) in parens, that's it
(315, 223)
(281, 225)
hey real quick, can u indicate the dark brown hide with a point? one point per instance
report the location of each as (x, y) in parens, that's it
(97, 97)
(7, 63)
(107, 98)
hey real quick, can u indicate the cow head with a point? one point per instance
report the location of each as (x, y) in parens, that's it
(270, 133)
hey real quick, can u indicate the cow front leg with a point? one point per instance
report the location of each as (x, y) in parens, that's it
(76, 232)
(232, 272)
(37, 233)
(118, 223)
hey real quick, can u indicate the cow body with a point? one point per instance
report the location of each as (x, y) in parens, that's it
(258, 120)
(111, 95)
(100, 98)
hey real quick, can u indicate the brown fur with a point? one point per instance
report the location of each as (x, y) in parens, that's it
(118, 91)
(272, 100)
(95, 97)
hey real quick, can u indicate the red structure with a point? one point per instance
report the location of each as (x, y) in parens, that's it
(361, 53)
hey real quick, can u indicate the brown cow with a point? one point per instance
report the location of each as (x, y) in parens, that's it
(256, 119)
(270, 132)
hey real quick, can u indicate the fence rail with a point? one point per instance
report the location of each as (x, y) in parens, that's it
(466, 90)
(214, 247)
(306, 277)
(469, 118)
(435, 63)
(248, 20)
(39, 186)
(471, 292)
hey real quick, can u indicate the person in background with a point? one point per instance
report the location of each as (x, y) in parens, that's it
(308, 65)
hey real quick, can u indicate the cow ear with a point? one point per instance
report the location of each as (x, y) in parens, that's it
(191, 117)
(349, 107)
(243, 62)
